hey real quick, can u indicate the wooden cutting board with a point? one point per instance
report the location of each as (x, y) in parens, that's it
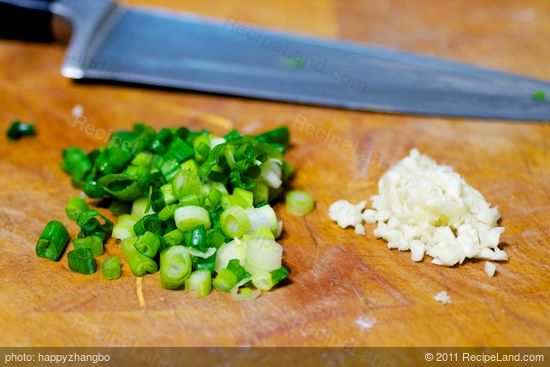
(344, 289)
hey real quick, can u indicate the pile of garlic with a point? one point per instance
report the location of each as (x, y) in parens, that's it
(429, 209)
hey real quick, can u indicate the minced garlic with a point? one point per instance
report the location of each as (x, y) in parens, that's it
(428, 208)
(443, 297)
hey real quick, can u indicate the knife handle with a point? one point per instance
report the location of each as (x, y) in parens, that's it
(27, 20)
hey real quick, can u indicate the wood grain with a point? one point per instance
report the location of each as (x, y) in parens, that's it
(344, 289)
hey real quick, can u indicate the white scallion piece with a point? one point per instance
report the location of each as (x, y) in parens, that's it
(263, 216)
(235, 249)
(263, 254)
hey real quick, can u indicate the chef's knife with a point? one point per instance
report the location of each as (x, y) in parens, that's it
(145, 46)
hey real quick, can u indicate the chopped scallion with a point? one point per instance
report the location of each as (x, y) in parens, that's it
(52, 241)
(191, 199)
(125, 227)
(139, 207)
(234, 222)
(168, 194)
(267, 280)
(194, 205)
(262, 232)
(122, 186)
(225, 280)
(120, 207)
(263, 216)
(139, 263)
(175, 267)
(299, 202)
(215, 238)
(19, 129)
(148, 244)
(196, 237)
(92, 222)
(168, 212)
(110, 268)
(81, 260)
(77, 163)
(235, 267)
(235, 249)
(203, 255)
(280, 135)
(263, 254)
(75, 207)
(200, 282)
(191, 216)
(186, 182)
(174, 237)
(94, 243)
(244, 293)
(151, 223)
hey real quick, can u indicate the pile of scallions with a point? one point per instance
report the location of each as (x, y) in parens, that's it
(191, 205)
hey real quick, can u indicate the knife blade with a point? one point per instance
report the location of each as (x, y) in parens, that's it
(156, 47)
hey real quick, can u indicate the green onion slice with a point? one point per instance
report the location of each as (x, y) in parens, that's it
(235, 249)
(272, 172)
(175, 267)
(77, 163)
(81, 260)
(262, 217)
(262, 232)
(280, 135)
(299, 202)
(75, 207)
(225, 280)
(139, 263)
(148, 244)
(52, 241)
(191, 216)
(94, 243)
(168, 194)
(110, 268)
(185, 183)
(267, 280)
(125, 227)
(200, 282)
(196, 237)
(263, 254)
(174, 237)
(91, 221)
(139, 207)
(168, 212)
(244, 295)
(149, 223)
(235, 267)
(19, 129)
(203, 255)
(121, 186)
(120, 207)
(234, 222)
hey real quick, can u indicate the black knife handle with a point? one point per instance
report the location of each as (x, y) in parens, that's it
(28, 20)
